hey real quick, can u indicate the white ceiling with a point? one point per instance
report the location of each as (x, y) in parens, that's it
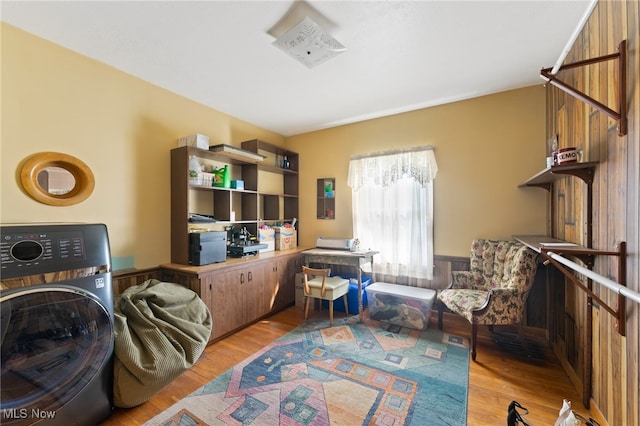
(401, 55)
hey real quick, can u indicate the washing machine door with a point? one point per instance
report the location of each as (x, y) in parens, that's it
(55, 340)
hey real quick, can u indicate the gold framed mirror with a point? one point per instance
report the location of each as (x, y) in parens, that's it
(57, 179)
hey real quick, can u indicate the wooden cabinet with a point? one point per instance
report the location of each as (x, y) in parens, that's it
(258, 282)
(243, 290)
(238, 291)
(238, 297)
(269, 192)
(287, 267)
(226, 303)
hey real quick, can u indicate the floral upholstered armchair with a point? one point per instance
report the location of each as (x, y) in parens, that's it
(495, 290)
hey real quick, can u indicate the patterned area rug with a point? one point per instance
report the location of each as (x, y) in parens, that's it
(352, 373)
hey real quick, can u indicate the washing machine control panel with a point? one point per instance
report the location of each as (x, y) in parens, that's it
(34, 249)
(41, 248)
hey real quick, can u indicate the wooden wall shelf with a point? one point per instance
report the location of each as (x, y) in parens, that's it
(546, 177)
(551, 248)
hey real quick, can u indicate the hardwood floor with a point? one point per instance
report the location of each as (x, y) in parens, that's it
(499, 376)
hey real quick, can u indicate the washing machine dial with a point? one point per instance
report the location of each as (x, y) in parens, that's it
(27, 250)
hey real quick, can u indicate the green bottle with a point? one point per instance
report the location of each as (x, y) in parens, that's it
(226, 179)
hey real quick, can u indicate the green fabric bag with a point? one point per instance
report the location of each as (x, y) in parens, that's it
(161, 330)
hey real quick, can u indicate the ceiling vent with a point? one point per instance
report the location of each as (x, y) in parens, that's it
(309, 43)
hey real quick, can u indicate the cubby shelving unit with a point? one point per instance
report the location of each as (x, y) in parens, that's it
(270, 192)
(326, 201)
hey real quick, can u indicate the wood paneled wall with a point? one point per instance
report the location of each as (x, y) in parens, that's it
(602, 364)
(122, 280)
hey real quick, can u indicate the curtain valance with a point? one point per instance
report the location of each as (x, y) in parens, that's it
(387, 167)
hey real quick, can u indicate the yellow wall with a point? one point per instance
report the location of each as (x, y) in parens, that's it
(120, 126)
(123, 128)
(484, 148)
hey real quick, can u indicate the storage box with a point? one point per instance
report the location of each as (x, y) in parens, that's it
(237, 184)
(198, 140)
(267, 236)
(353, 278)
(271, 246)
(352, 297)
(286, 238)
(400, 304)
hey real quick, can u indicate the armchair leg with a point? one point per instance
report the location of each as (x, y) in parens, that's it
(474, 339)
(440, 309)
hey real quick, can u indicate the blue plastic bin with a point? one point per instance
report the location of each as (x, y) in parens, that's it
(352, 296)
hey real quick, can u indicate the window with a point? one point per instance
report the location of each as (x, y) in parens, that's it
(393, 209)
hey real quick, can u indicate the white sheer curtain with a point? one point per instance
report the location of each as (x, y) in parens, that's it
(392, 198)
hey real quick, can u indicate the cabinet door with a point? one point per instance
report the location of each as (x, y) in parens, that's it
(202, 285)
(286, 275)
(258, 289)
(206, 294)
(227, 302)
(272, 284)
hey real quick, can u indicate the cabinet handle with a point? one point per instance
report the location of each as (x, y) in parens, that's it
(250, 276)
(242, 278)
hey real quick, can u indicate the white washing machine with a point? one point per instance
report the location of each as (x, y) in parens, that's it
(56, 324)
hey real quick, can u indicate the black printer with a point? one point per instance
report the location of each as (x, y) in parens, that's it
(207, 247)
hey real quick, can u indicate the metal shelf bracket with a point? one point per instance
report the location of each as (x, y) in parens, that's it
(566, 268)
(621, 115)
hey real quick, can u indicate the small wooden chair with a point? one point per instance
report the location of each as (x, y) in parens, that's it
(324, 287)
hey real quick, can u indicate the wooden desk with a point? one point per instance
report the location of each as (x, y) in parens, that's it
(342, 257)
